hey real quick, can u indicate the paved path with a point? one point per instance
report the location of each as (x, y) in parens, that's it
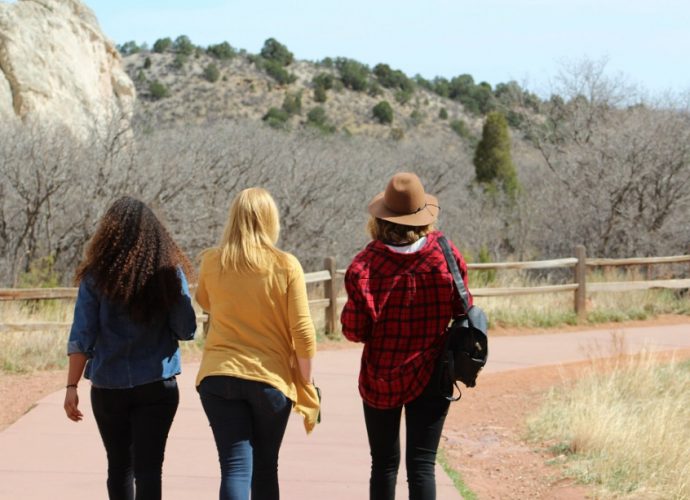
(44, 455)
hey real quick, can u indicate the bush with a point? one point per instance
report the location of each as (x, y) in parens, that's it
(41, 274)
(383, 112)
(353, 74)
(320, 94)
(278, 72)
(375, 89)
(393, 78)
(158, 90)
(441, 86)
(128, 48)
(147, 62)
(183, 45)
(317, 116)
(221, 51)
(515, 118)
(276, 118)
(273, 50)
(397, 134)
(403, 96)
(417, 117)
(477, 99)
(162, 44)
(460, 128)
(179, 61)
(211, 73)
(292, 103)
(443, 114)
(324, 81)
(423, 82)
(318, 119)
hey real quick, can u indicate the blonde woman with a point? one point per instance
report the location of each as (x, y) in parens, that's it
(257, 361)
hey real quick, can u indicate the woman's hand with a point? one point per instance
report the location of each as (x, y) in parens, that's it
(72, 405)
(77, 361)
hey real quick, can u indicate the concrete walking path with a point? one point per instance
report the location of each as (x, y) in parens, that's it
(44, 455)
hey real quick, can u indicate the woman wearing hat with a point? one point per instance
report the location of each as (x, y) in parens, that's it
(400, 300)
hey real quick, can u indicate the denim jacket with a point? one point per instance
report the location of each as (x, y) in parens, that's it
(121, 353)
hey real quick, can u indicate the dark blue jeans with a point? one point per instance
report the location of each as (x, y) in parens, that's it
(248, 420)
(424, 418)
(134, 425)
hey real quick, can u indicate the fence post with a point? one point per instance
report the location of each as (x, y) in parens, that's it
(581, 280)
(331, 293)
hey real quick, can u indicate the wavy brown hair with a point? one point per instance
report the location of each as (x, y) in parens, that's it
(396, 234)
(132, 260)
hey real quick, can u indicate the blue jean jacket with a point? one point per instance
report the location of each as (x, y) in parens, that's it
(121, 353)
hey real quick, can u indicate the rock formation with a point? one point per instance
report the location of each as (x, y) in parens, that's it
(56, 66)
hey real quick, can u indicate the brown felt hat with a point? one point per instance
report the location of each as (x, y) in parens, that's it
(405, 202)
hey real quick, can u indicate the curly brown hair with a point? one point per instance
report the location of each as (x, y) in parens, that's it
(132, 260)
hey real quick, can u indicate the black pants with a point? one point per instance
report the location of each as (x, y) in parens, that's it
(134, 425)
(424, 418)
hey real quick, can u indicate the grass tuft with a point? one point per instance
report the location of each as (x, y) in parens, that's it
(624, 430)
(455, 476)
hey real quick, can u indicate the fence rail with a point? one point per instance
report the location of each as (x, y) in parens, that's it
(331, 300)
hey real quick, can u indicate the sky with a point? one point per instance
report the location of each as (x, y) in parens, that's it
(646, 41)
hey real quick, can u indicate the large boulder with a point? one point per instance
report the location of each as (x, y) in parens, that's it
(57, 66)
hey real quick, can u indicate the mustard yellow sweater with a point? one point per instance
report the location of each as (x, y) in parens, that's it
(258, 322)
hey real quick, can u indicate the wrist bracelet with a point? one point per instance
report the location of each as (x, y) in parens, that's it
(70, 385)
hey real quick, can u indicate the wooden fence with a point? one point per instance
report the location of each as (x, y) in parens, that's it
(330, 299)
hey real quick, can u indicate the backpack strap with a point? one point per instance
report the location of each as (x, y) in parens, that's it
(450, 360)
(455, 271)
(462, 292)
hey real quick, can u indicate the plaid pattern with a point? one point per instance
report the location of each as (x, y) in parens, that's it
(399, 306)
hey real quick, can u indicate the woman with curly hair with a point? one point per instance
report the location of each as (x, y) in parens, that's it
(257, 360)
(132, 307)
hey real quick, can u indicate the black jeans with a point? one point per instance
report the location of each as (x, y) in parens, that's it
(424, 418)
(248, 420)
(134, 425)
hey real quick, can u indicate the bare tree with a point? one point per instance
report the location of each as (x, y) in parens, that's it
(622, 165)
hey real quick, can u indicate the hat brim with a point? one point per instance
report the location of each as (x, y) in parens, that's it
(424, 217)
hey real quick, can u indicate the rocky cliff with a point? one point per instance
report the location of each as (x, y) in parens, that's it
(57, 66)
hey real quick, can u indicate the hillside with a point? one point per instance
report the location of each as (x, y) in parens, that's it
(244, 90)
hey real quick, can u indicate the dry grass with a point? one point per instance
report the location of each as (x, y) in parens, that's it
(46, 349)
(557, 309)
(623, 428)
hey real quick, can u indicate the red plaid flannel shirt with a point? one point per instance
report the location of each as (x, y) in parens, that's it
(399, 306)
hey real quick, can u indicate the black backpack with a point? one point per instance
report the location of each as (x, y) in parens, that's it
(467, 343)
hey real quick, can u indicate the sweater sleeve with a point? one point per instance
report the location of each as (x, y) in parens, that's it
(299, 317)
(201, 294)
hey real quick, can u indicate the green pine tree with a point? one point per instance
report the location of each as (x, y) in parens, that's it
(493, 164)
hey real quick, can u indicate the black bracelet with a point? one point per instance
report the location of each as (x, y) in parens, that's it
(70, 385)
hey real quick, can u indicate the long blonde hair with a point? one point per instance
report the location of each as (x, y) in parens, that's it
(251, 233)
